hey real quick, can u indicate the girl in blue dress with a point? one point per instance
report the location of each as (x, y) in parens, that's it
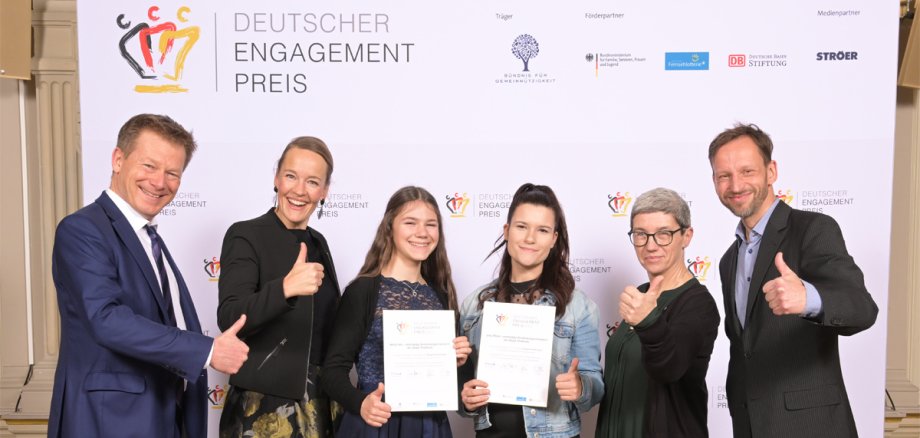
(406, 269)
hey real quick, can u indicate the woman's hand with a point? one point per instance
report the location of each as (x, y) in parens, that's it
(475, 394)
(569, 384)
(463, 348)
(305, 278)
(373, 411)
(635, 305)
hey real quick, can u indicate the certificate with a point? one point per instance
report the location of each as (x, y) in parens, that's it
(419, 360)
(515, 350)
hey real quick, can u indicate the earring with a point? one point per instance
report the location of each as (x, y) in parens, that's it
(322, 202)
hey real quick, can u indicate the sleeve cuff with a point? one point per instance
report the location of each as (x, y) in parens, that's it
(210, 353)
(813, 304)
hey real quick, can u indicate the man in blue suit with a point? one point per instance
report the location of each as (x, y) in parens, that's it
(133, 359)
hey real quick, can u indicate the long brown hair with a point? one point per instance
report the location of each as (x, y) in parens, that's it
(435, 269)
(555, 277)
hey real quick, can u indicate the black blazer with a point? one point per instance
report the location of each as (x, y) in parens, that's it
(255, 257)
(784, 375)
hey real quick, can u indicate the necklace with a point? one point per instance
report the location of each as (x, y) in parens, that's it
(518, 291)
(414, 290)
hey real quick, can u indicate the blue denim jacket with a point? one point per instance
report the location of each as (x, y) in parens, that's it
(575, 336)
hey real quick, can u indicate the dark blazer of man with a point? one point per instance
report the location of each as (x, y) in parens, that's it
(121, 366)
(784, 377)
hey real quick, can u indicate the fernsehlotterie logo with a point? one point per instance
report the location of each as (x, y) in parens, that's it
(686, 61)
(156, 50)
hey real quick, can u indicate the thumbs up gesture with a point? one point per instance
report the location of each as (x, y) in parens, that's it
(373, 410)
(785, 294)
(305, 278)
(569, 384)
(229, 351)
(635, 305)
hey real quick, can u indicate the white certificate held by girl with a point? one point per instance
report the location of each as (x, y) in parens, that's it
(515, 351)
(419, 360)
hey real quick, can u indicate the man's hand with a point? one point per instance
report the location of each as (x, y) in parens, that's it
(785, 294)
(229, 351)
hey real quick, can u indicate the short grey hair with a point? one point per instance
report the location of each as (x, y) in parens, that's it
(665, 201)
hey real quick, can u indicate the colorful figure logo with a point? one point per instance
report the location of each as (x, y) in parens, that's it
(216, 397)
(699, 267)
(212, 268)
(402, 326)
(156, 65)
(457, 204)
(785, 196)
(619, 204)
(502, 319)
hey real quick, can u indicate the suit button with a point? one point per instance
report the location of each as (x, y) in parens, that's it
(533, 412)
(744, 405)
(747, 354)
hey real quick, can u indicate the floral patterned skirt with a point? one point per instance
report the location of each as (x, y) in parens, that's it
(253, 414)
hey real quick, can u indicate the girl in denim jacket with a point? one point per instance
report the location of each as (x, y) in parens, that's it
(534, 271)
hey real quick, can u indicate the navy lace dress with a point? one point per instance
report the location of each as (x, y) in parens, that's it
(393, 295)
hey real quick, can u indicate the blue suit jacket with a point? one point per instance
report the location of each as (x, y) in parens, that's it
(121, 364)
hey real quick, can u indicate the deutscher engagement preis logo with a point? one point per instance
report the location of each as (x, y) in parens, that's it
(156, 49)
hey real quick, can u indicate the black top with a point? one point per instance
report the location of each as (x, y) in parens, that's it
(508, 420)
(353, 322)
(673, 345)
(324, 301)
(255, 257)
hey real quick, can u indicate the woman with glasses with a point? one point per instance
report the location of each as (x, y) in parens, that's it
(658, 355)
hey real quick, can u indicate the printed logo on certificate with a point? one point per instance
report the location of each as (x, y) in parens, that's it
(419, 360)
(515, 351)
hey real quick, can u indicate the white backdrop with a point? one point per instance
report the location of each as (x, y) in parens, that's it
(620, 98)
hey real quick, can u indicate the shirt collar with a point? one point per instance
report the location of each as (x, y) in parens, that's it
(760, 227)
(134, 218)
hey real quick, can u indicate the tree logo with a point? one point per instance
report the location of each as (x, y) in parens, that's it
(525, 48)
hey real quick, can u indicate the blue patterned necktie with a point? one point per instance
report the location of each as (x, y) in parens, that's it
(157, 245)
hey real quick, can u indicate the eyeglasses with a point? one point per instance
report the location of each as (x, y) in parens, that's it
(662, 238)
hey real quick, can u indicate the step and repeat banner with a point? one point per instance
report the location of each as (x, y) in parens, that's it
(599, 100)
